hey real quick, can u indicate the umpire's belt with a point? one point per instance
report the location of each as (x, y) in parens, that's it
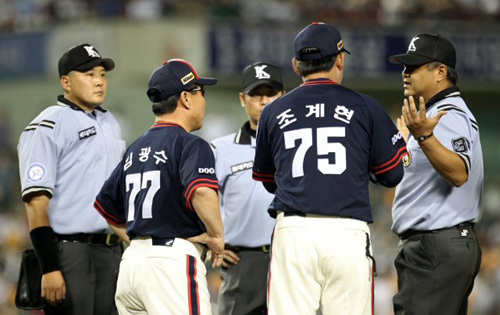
(409, 233)
(237, 249)
(87, 238)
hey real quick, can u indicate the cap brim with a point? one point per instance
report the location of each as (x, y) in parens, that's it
(206, 81)
(274, 84)
(409, 59)
(107, 63)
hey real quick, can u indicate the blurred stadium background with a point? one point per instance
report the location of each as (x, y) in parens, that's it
(220, 37)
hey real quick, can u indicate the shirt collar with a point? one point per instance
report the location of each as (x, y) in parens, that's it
(245, 134)
(162, 124)
(449, 92)
(64, 101)
(319, 81)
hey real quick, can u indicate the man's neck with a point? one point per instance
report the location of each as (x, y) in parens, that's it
(172, 120)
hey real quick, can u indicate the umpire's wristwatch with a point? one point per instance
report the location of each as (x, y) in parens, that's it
(422, 138)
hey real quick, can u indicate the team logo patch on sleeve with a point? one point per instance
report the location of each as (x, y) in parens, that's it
(35, 173)
(460, 145)
(407, 158)
(89, 132)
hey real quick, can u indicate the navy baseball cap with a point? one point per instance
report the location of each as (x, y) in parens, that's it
(324, 37)
(425, 48)
(173, 77)
(261, 73)
(82, 58)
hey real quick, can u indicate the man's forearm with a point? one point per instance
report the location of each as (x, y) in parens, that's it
(206, 204)
(447, 163)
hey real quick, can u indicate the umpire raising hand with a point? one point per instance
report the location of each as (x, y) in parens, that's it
(438, 201)
(65, 155)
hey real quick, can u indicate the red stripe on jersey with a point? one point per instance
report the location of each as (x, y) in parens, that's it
(395, 161)
(193, 296)
(200, 182)
(211, 181)
(392, 160)
(162, 124)
(319, 82)
(106, 215)
(268, 178)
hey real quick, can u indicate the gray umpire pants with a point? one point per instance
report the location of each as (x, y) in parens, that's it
(244, 286)
(436, 272)
(90, 272)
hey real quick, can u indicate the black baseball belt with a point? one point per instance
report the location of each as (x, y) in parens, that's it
(90, 238)
(237, 249)
(460, 226)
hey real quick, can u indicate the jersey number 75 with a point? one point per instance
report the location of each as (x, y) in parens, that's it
(323, 149)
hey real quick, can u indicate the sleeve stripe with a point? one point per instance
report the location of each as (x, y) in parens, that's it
(44, 123)
(466, 160)
(202, 182)
(399, 157)
(401, 152)
(208, 180)
(449, 107)
(35, 189)
(474, 124)
(106, 215)
(268, 178)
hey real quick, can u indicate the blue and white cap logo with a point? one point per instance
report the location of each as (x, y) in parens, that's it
(35, 173)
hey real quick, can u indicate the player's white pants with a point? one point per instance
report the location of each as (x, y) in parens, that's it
(162, 280)
(319, 261)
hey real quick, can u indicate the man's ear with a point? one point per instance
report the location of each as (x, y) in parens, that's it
(184, 100)
(294, 65)
(242, 99)
(442, 73)
(340, 61)
(65, 83)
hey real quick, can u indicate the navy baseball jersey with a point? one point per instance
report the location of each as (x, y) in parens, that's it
(321, 144)
(151, 188)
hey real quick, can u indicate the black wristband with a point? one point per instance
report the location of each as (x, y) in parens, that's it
(423, 138)
(45, 244)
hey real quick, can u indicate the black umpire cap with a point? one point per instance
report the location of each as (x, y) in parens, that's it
(425, 48)
(82, 58)
(261, 73)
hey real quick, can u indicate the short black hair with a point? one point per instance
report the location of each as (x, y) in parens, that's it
(166, 106)
(306, 68)
(451, 73)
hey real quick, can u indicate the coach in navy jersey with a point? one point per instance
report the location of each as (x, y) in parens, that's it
(163, 197)
(65, 155)
(318, 147)
(438, 201)
(244, 202)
